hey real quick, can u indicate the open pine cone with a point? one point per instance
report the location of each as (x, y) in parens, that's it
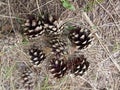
(37, 55)
(78, 65)
(51, 25)
(58, 46)
(33, 27)
(58, 67)
(27, 79)
(80, 37)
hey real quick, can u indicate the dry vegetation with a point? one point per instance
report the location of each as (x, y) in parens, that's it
(103, 18)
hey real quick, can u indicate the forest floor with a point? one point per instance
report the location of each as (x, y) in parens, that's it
(102, 17)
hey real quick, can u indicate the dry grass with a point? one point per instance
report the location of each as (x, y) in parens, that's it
(104, 55)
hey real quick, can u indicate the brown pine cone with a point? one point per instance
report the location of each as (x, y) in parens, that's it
(80, 37)
(33, 27)
(51, 25)
(27, 79)
(58, 67)
(58, 46)
(37, 55)
(78, 65)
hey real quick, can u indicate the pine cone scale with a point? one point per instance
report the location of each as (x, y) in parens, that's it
(37, 55)
(78, 65)
(80, 37)
(58, 67)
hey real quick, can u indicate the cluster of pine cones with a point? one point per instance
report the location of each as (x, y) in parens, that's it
(59, 42)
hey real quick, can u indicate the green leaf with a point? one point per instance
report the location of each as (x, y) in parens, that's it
(67, 5)
(25, 41)
(70, 28)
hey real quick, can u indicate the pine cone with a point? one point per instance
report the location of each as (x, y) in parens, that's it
(78, 65)
(27, 79)
(37, 55)
(58, 46)
(33, 27)
(58, 67)
(80, 37)
(51, 25)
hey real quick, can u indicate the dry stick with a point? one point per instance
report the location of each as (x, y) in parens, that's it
(11, 17)
(22, 5)
(97, 36)
(109, 24)
(2, 3)
(108, 14)
(10, 14)
(92, 85)
(115, 55)
(41, 6)
(114, 8)
(38, 6)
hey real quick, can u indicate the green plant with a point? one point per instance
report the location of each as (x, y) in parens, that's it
(70, 28)
(46, 84)
(25, 41)
(67, 5)
(89, 6)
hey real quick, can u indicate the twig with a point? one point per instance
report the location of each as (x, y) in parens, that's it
(97, 36)
(114, 8)
(38, 6)
(91, 84)
(2, 3)
(10, 14)
(116, 55)
(41, 6)
(108, 14)
(12, 17)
